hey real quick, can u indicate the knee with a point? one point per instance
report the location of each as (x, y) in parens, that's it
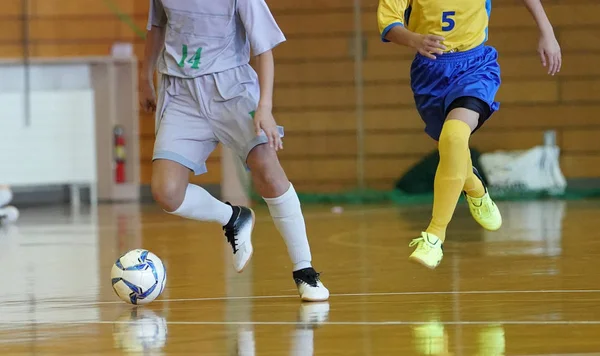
(455, 135)
(453, 139)
(262, 161)
(168, 194)
(265, 167)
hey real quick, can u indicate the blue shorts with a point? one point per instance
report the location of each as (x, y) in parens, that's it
(436, 84)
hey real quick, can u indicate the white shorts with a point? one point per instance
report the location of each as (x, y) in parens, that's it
(194, 115)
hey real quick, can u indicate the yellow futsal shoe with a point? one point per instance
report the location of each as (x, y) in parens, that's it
(484, 210)
(429, 251)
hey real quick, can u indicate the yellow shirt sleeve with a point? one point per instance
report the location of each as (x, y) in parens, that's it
(390, 13)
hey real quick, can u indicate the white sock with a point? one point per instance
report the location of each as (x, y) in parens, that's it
(287, 216)
(198, 204)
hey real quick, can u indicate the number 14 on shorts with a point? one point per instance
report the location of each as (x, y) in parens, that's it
(194, 60)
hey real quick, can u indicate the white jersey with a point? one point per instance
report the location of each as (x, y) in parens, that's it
(211, 36)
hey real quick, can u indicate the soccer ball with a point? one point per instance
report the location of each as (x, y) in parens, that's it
(138, 277)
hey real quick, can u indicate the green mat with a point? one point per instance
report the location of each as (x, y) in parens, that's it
(357, 197)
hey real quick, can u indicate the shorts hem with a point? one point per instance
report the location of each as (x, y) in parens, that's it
(493, 107)
(450, 99)
(198, 169)
(434, 134)
(258, 140)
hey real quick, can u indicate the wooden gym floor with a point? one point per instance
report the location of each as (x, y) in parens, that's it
(530, 289)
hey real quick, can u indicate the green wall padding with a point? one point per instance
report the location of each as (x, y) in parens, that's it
(357, 197)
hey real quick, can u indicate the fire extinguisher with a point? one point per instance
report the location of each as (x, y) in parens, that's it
(119, 142)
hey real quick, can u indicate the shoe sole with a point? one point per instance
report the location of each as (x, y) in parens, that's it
(314, 300)
(251, 253)
(420, 262)
(494, 228)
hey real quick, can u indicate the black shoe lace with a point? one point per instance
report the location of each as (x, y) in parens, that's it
(230, 234)
(309, 277)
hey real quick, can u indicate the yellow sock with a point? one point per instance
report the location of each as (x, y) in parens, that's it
(473, 186)
(450, 175)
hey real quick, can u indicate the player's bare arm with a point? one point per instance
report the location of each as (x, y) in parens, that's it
(548, 47)
(427, 45)
(391, 20)
(263, 118)
(155, 40)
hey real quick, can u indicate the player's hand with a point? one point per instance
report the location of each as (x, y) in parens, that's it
(147, 95)
(550, 53)
(264, 120)
(430, 45)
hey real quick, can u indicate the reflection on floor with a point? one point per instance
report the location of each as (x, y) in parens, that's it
(529, 289)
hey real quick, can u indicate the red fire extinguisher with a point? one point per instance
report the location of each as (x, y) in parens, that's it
(119, 134)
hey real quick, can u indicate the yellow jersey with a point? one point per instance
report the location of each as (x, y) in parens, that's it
(463, 23)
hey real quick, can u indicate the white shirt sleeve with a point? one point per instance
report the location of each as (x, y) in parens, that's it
(156, 15)
(262, 30)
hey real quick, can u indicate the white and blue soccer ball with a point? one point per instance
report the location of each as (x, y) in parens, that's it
(138, 277)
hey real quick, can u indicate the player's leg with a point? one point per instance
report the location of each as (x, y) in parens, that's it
(237, 96)
(272, 184)
(483, 81)
(474, 183)
(448, 183)
(183, 143)
(453, 167)
(431, 83)
(455, 96)
(482, 207)
(172, 191)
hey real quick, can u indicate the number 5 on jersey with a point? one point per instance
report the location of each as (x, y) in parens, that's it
(194, 61)
(448, 22)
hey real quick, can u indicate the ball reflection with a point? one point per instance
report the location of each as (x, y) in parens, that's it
(140, 330)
